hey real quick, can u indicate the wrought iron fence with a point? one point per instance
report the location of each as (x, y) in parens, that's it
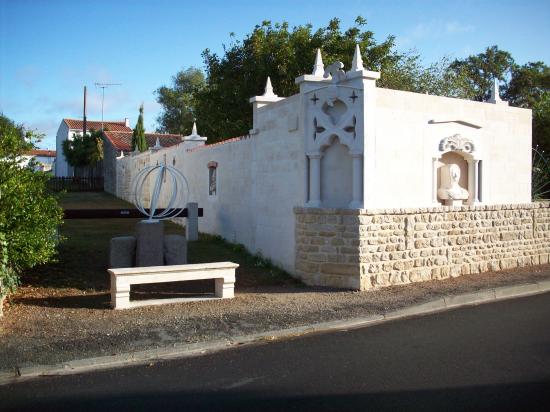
(76, 184)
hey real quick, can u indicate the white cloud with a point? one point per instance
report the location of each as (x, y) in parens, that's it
(422, 30)
(432, 30)
(454, 27)
(28, 75)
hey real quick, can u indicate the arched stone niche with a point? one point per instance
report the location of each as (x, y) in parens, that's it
(463, 152)
(453, 158)
(336, 175)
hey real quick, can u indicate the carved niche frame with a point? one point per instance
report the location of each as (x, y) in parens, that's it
(468, 148)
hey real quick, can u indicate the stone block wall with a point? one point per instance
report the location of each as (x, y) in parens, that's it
(369, 249)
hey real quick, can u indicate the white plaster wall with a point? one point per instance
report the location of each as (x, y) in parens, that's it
(405, 143)
(260, 179)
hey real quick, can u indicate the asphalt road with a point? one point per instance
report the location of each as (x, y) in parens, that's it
(488, 357)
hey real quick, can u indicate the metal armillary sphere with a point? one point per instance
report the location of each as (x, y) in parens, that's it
(180, 191)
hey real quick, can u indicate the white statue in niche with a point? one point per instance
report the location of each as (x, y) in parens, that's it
(450, 191)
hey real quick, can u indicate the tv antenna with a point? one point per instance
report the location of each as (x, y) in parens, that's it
(103, 86)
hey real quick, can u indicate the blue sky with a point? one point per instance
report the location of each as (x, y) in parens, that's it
(50, 49)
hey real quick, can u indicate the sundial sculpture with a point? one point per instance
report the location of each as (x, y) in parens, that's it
(180, 192)
(150, 246)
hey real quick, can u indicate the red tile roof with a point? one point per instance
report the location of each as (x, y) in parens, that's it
(123, 140)
(226, 141)
(75, 124)
(41, 152)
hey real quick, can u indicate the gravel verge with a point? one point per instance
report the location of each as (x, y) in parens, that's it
(47, 329)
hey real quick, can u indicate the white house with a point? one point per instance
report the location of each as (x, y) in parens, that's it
(70, 127)
(350, 185)
(44, 159)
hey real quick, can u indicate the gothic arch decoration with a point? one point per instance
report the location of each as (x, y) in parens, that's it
(335, 110)
(334, 113)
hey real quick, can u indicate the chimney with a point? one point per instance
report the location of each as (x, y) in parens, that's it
(127, 122)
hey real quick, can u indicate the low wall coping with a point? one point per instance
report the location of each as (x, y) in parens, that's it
(415, 210)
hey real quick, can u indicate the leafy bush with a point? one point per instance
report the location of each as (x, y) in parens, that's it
(29, 214)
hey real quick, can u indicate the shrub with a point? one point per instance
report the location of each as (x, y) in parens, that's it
(29, 213)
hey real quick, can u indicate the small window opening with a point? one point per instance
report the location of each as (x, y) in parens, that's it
(212, 178)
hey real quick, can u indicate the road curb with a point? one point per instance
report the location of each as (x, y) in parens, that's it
(187, 350)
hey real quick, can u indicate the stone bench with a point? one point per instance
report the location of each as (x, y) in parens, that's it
(122, 278)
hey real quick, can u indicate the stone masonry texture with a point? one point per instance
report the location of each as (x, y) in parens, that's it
(369, 249)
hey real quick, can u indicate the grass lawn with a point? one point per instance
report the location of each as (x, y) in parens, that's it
(83, 252)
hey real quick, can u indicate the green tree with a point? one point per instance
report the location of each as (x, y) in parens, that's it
(220, 102)
(479, 71)
(178, 101)
(541, 123)
(138, 136)
(528, 84)
(283, 53)
(84, 150)
(529, 87)
(29, 213)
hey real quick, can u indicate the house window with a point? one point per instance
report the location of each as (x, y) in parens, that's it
(212, 179)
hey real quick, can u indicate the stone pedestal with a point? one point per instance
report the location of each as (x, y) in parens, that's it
(122, 252)
(150, 243)
(453, 202)
(192, 224)
(175, 250)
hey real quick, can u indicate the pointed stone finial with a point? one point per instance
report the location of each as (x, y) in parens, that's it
(194, 136)
(495, 94)
(268, 97)
(318, 67)
(268, 89)
(357, 63)
(157, 145)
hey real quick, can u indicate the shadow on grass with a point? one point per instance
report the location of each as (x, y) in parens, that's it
(83, 259)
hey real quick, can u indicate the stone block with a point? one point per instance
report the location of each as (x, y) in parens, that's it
(340, 269)
(150, 239)
(175, 250)
(122, 252)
